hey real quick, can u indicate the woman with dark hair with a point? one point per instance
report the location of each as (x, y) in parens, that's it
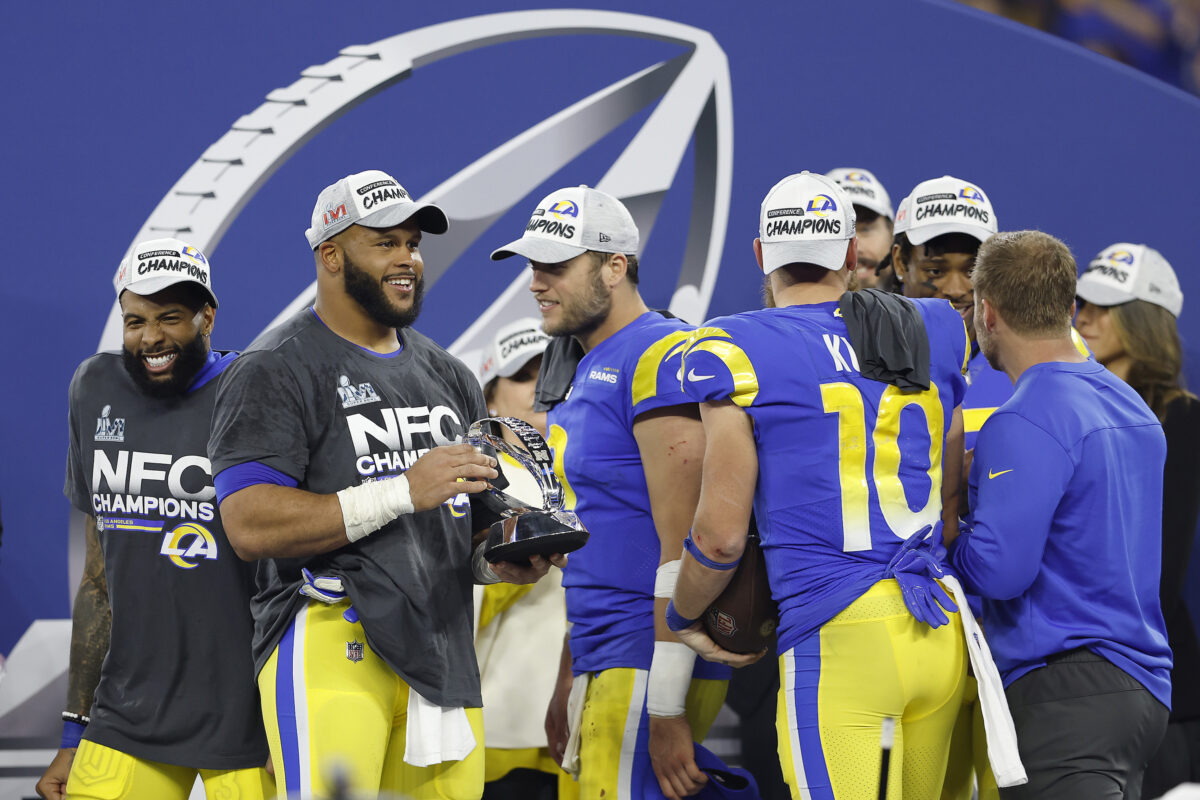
(1129, 299)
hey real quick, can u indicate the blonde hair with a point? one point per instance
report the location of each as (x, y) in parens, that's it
(1029, 277)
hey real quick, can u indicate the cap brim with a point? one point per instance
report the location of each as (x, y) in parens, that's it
(430, 218)
(877, 208)
(923, 233)
(830, 254)
(1101, 294)
(148, 286)
(540, 250)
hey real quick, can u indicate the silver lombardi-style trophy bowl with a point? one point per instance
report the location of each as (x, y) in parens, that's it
(527, 496)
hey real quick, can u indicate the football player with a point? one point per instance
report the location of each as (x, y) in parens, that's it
(338, 460)
(804, 407)
(875, 218)
(161, 684)
(627, 444)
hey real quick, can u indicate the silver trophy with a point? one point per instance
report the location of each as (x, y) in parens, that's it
(527, 497)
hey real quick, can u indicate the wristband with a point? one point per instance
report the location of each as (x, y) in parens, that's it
(666, 577)
(369, 506)
(481, 569)
(670, 678)
(694, 549)
(676, 621)
(71, 734)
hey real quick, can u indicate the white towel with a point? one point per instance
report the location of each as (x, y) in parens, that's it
(433, 734)
(997, 720)
(575, 700)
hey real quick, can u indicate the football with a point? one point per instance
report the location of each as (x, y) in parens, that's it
(743, 618)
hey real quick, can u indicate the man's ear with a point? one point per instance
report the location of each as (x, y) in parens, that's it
(615, 267)
(758, 256)
(329, 257)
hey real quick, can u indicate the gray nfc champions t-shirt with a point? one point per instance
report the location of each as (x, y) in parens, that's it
(331, 414)
(177, 685)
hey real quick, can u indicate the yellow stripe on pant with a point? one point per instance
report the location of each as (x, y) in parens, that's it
(871, 661)
(102, 773)
(331, 704)
(614, 756)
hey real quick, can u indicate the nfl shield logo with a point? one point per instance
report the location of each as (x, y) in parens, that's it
(354, 651)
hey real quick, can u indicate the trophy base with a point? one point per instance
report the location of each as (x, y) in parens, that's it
(517, 538)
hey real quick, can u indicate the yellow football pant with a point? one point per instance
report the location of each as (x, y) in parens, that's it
(332, 706)
(871, 661)
(102, 773)
(968, 761)
(614, 746)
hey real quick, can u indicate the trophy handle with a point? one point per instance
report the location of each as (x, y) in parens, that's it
(534, 456)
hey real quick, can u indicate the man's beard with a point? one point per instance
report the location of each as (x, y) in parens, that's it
(190, 360)
(587, 314)
(370, 294)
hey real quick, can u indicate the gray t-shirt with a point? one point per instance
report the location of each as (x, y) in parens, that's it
(330, 414)
(177, 685)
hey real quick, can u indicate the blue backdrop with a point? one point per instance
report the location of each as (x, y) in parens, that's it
(107, 108)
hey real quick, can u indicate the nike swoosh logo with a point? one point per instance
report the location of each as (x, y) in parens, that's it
(692, 376)
(997, 474)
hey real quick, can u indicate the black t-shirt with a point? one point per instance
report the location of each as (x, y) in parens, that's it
(331, 414)
(1181, 504)
(177, 685)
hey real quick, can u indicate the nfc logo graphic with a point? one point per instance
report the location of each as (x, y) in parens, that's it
(821, 205)
(564, 208)
(188, 541)
(971, 195)
(109, 430)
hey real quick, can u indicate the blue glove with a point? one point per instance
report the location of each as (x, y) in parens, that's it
(916, 567)
(327, 590)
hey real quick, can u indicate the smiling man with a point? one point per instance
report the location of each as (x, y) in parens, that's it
(627, 445)
(160, 685)
(337, 452)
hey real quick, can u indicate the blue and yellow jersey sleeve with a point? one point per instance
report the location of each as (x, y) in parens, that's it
(715, 367)
(656, 374)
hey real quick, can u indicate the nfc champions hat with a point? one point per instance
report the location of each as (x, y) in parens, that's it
(1124, 272)
(153, 265)
(805, 218)
(863, 189)
(512, 348)
(372, 199)
(569, 222)
(947, 205)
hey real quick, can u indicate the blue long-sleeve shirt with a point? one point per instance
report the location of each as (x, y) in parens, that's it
(1065, 533)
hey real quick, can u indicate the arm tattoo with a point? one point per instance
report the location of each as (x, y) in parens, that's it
(90, 628)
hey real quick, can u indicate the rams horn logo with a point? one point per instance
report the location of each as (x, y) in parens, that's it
(971, 194)
(821, 204)
(856, 177)
(564, 208)
(194, 254)
(200, 544)
(1121, 256)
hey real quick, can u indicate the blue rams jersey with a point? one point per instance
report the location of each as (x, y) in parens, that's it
(849, 467)
(610, 582)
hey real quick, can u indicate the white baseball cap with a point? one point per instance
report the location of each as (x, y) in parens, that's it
(512, 348)
(903, 216)
(863, 189)
(1124, 272)
(947, 205)
(372, 199)
(571, 221)
(155, 264)
(805, 218)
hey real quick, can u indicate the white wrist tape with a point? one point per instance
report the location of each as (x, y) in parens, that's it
(666, 577)
(369, 506)
(481, 569)
(670, 677)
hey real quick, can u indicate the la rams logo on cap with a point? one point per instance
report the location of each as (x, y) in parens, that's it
(821, 205)
(199, 544)
(564, 208)
(857, 177)
(971, 194)
(194, 254)
(1121, 257)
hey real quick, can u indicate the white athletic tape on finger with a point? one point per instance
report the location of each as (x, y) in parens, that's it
(369, 506)
(670, 678)
(666, 577)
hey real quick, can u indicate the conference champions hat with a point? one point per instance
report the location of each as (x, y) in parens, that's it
(155, 264)
(1124, 272)
(372, 199)
(863, 189)
(514, 345)
(805, 218)
(571, 221)
(947, 205)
